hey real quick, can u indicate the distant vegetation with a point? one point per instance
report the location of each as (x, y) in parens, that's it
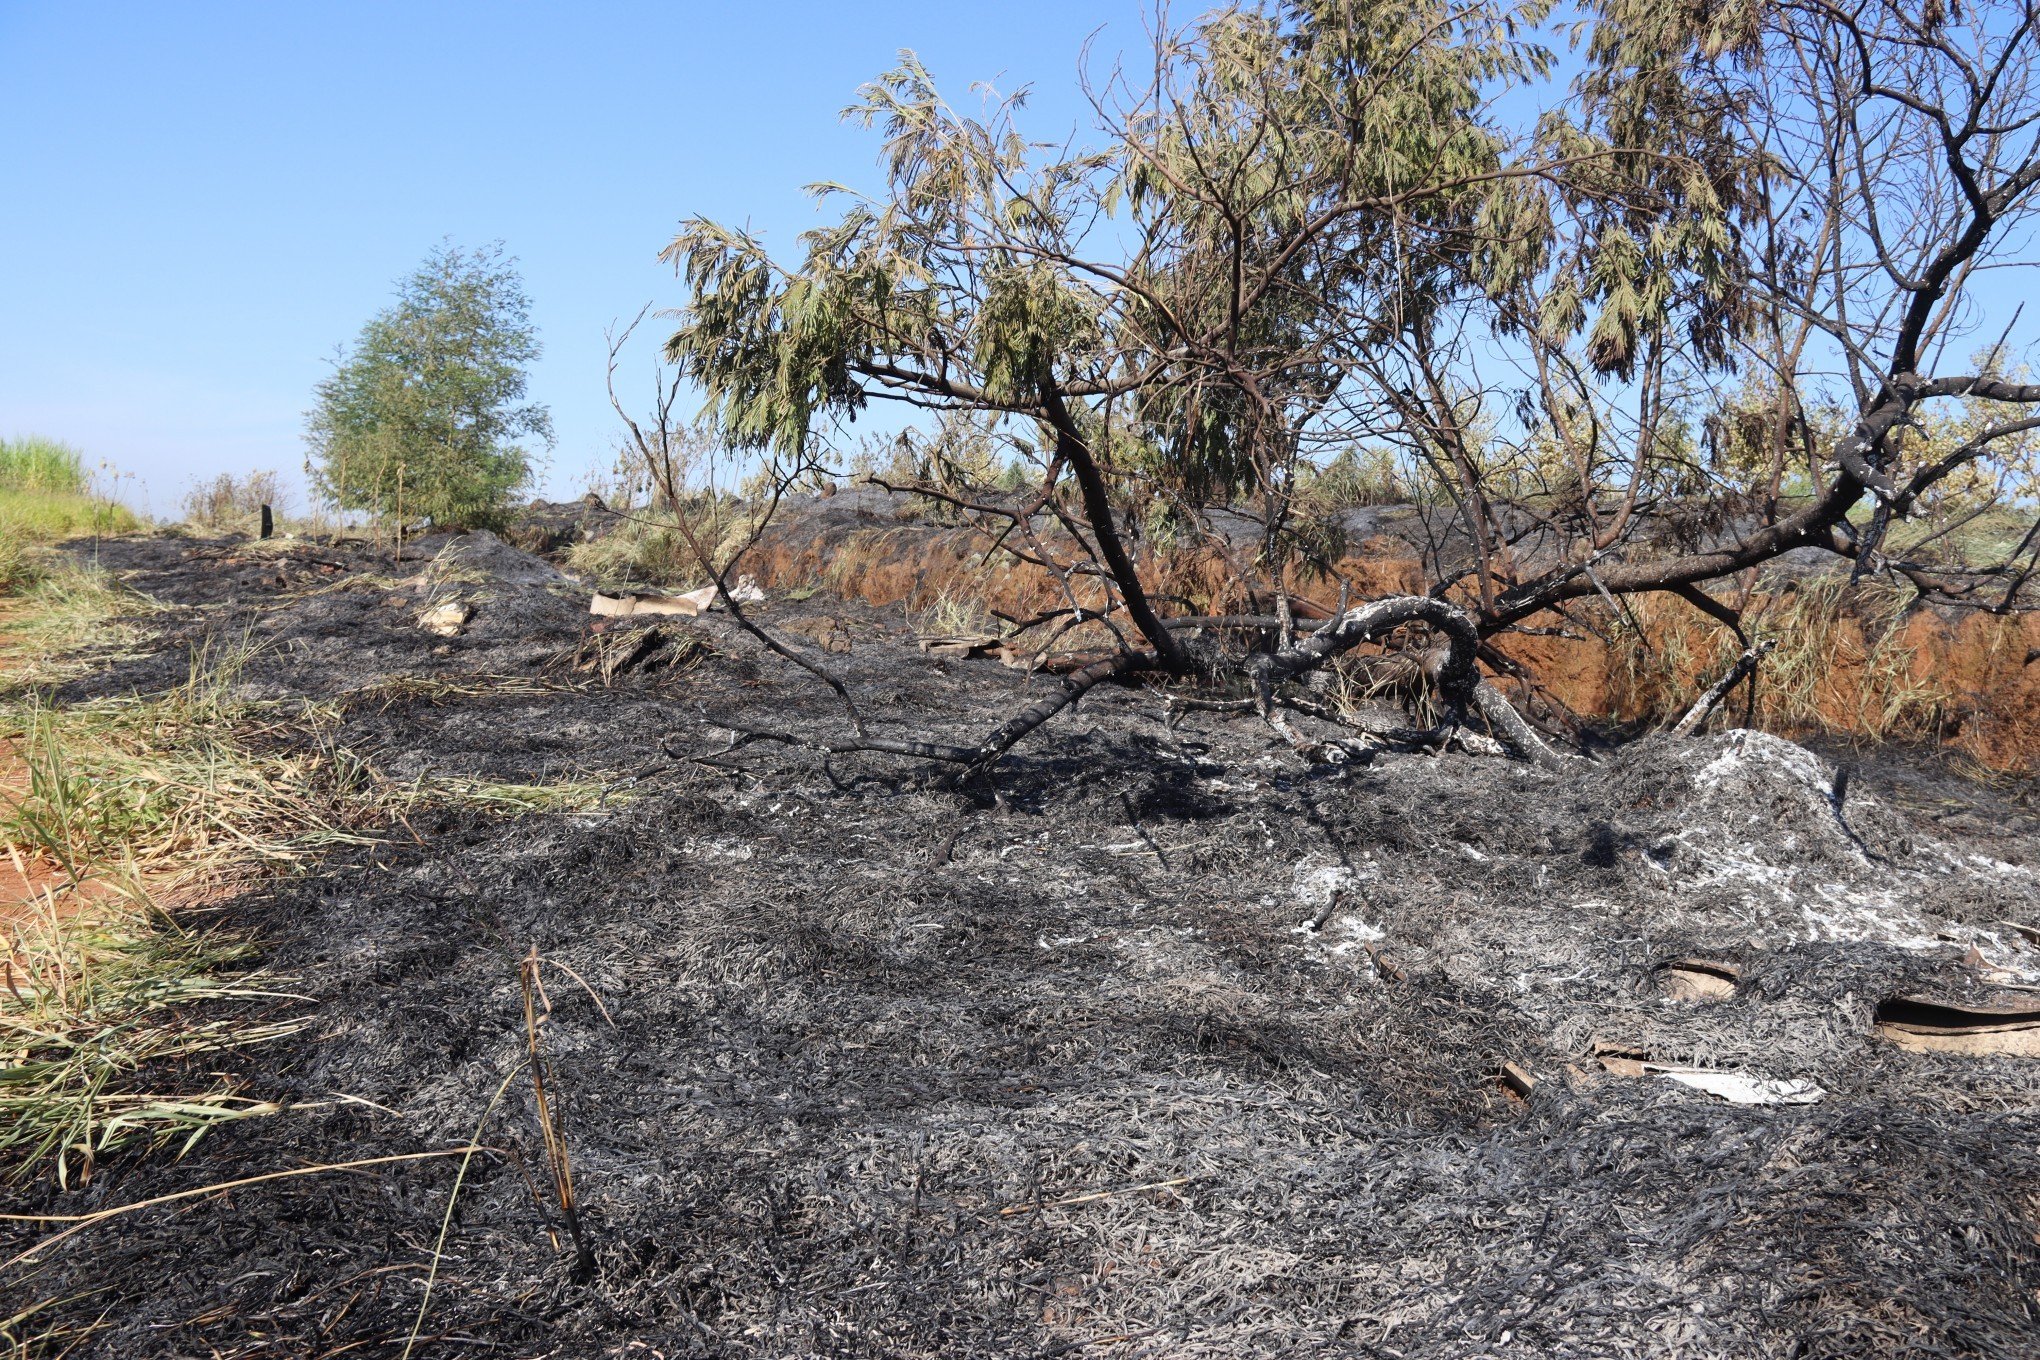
(45, 495)
(420, 421)
(230, 502)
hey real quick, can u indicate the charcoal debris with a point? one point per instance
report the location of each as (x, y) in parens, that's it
(838, 1060)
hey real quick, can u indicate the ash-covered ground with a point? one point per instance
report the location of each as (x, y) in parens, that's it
(1157, 1042)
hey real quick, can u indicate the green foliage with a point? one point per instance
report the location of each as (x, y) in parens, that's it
(41, 465)
(46, 495)
(1310, 224)
(419, 421)
(1660, 181)
(1222, 320)
(782, 345)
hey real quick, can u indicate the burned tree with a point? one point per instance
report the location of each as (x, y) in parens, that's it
(1307, 228)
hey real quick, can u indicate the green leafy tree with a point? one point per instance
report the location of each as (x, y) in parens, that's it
(1308, 225)
(421, 420)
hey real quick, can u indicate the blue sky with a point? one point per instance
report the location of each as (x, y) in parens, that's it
(203, 200)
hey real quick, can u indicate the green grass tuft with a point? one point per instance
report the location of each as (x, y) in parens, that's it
(47, 466)
(46, 495)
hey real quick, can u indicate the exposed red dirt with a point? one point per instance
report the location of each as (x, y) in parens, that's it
(31, 889)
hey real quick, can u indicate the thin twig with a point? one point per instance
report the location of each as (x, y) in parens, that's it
(548, 1123)
(453, 1198)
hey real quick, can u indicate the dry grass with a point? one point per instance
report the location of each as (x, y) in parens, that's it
(132, 798)
(228, 502)
(100, 1015)
(183, 783)
(955, 612)
(647, 547)
(58, 615)
(1841, 664)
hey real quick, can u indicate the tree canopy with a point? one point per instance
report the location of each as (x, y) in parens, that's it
(1725, 263)
(419, 420)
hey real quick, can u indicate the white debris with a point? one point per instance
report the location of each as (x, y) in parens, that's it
(1739, 1089)
(1763, 826)
(745, 591)
(1744, 750)
(446, 619)
(1358, 934)
(1315, 883)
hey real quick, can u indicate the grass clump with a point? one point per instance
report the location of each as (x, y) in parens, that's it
(35, 464)
(51, 615)
(955, 612)
(111, 807)
(568, 795)
(103, 806)
(648, 548)
(95, 1000)
(46, 494)
(182, 781)
(18, 568)
(113, 804)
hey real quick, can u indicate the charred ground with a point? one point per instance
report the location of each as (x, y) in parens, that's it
(1056, 1063)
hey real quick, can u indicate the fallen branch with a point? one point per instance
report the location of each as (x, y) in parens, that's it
(1002, 738)
(1455, 674)
(1703, 707)
(1452, 670)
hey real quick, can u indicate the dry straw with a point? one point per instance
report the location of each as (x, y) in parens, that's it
(1841, 662)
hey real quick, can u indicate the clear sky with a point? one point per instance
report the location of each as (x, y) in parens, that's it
(199, 201)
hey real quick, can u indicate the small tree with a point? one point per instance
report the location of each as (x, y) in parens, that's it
(1308, 225)
(419, 421)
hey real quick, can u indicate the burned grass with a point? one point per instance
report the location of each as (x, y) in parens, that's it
(1160, 1043)
(121, 816)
